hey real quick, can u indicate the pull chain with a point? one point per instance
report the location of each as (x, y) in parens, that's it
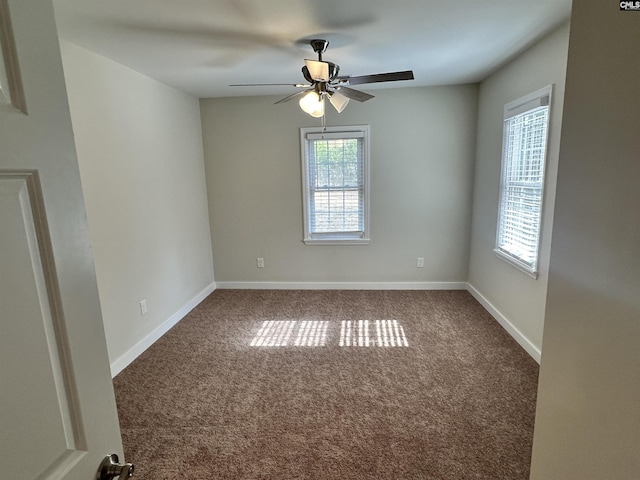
(324, 123)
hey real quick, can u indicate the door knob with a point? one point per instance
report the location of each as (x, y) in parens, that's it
(110, 469)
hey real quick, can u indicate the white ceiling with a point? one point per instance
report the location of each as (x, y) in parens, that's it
(202, 46)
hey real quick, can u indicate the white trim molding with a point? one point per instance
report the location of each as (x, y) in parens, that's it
(342, 285)
(124, 360)
(11, 87)
(511, 329)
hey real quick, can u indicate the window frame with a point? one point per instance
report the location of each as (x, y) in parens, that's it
(335, 238)
(528, 103)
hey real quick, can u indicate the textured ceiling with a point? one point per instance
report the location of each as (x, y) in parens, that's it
(202, 46)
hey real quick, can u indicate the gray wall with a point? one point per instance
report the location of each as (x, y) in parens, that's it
(515, 298)
(140, 153)
(588, 416)
(422, 146)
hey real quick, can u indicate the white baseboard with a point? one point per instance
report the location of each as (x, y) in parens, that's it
(121, 363)
(517, 335)
(342, 285)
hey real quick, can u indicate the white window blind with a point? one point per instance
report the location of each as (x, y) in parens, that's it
(335, 184)
(521, 192)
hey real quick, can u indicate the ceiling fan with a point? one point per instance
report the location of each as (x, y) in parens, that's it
(324, 82)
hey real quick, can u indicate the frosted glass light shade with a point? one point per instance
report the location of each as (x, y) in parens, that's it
(312, 104)
(319, 71)
(339, 101)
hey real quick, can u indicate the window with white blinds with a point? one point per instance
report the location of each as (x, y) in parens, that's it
(335, 165)
(525, 133)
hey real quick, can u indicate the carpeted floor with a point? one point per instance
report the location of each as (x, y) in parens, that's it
(275, 384)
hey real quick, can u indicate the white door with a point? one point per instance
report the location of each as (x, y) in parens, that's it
(57, 408)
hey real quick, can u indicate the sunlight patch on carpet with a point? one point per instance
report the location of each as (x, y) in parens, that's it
(279, 333)
(314, 333)
(381, 333)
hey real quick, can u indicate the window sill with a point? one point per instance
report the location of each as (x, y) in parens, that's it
(336, 241)
(514, 263)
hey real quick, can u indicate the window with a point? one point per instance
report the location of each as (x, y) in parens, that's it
(335, 170)
(526, 122)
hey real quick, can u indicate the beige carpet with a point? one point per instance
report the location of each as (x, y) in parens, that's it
(265, 384)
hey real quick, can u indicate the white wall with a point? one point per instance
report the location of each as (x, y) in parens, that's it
(140, 152)
(588, 415)
(515, 298)
(422, 146)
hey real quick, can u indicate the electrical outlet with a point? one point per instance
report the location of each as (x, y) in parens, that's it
(420, 263)
(143, 307)
(260, 262)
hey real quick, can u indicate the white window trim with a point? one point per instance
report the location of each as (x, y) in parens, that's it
(511, 109)
(335, 238)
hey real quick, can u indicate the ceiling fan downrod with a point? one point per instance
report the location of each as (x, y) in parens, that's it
(319, 46)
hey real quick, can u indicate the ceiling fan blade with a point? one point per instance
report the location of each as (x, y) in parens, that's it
(297, 85)
(292, 96)
(378, 77)
(354, 94)
(319, 71)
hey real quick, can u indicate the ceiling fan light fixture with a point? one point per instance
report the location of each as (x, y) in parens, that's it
(324, 82)
(339, 101)
(313, 104)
